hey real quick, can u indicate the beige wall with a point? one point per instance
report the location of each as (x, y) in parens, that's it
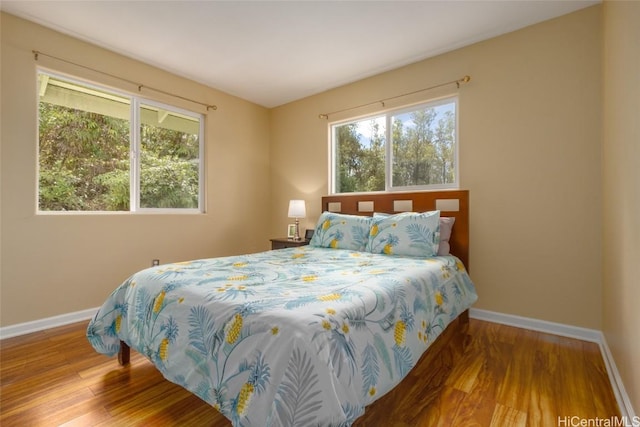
(531, 153)
(530, 141)
(58, 264)
(621, 182)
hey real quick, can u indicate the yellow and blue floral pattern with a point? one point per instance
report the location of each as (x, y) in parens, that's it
(406, 234)
(299, 336)
(341, 231)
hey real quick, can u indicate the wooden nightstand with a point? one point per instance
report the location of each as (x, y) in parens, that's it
(283, 242)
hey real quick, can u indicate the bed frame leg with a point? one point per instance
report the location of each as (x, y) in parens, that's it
(124, 354)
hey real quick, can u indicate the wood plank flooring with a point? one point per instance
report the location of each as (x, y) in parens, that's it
(505, 377)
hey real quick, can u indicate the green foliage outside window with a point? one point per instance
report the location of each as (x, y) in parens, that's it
(82, 156)
(169, 170)
(85, 157)
(422, 150)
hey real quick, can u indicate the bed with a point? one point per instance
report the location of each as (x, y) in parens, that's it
(308, 335)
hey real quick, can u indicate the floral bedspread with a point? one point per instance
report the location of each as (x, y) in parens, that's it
(292, 337)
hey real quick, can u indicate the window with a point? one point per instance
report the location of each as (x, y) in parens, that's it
(100, 150)
(411, 148)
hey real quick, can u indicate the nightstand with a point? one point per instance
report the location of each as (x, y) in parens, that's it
(283, 242)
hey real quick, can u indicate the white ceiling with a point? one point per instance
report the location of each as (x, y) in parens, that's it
(274, 52)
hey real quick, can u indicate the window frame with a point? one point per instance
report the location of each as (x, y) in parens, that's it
(388, 148)
(135, 146)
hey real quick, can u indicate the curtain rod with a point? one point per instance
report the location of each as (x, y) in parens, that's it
(464, 79)
(36, 53)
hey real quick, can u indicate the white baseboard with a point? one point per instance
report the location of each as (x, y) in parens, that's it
(624, 402)
(584, 334)
(591, 335)
(47, 323)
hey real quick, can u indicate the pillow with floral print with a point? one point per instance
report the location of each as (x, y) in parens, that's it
(408, 234)
(341, 231)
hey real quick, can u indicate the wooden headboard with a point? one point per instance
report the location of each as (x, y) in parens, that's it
(454, 203)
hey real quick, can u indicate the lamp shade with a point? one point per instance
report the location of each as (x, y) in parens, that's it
(297, 209)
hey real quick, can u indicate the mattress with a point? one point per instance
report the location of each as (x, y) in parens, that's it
(291, 337)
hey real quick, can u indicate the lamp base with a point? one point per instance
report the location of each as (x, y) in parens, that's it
(296, 236)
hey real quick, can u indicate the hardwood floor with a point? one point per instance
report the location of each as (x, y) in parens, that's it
(505, 377)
